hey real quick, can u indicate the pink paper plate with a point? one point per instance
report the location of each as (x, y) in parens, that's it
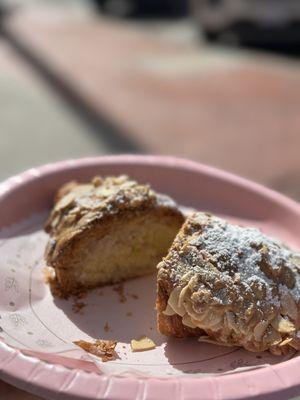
(192, 185)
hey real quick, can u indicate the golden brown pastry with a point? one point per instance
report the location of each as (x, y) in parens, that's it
(105, 349)
(107, 231)
(230, 285)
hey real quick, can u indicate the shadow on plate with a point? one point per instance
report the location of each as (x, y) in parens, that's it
(119, 312)
(214, 359)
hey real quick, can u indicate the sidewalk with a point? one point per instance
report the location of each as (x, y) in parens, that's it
(233, 108)
(35, 125)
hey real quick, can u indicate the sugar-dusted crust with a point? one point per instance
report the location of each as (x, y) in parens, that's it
(240, 287)
(86, 212)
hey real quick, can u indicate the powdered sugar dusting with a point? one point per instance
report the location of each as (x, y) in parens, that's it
(239, 251)
(239, 247)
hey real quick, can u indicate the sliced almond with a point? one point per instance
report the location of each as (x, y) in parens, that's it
(283, 325)
(105, 349)
(169, 311)
(65, 201)
(173, 301)
(184, 293)
(187, 321)
(260, 329)
(272, 337)
(288, 306)
(142, 344)
(285, 342)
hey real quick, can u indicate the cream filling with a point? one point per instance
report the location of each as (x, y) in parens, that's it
(180, 303)
(267, 332)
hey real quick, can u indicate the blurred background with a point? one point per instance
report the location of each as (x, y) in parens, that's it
(216, 81)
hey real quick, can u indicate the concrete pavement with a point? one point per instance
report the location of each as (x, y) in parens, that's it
(236, 109)
(35, 126)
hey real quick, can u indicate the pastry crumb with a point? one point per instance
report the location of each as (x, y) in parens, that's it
(48, 274)
(120, 290)
(142, 344)
(105, 349)
(135, 296)
(106, 327)
(129, 314)
(78, 307)
(56, 289)
(81, 295)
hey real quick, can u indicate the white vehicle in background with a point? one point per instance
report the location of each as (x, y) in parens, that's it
(248, 16)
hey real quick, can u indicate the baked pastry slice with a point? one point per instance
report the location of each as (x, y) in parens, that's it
(230, 285)
(107, 231)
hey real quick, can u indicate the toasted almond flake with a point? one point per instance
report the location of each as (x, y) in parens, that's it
(65, 201)
(187, 321)
(289, 306)
(142, 344)
(105, 349)
(169, 311)
(260, 329)
(283, 325)
(285, 341)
